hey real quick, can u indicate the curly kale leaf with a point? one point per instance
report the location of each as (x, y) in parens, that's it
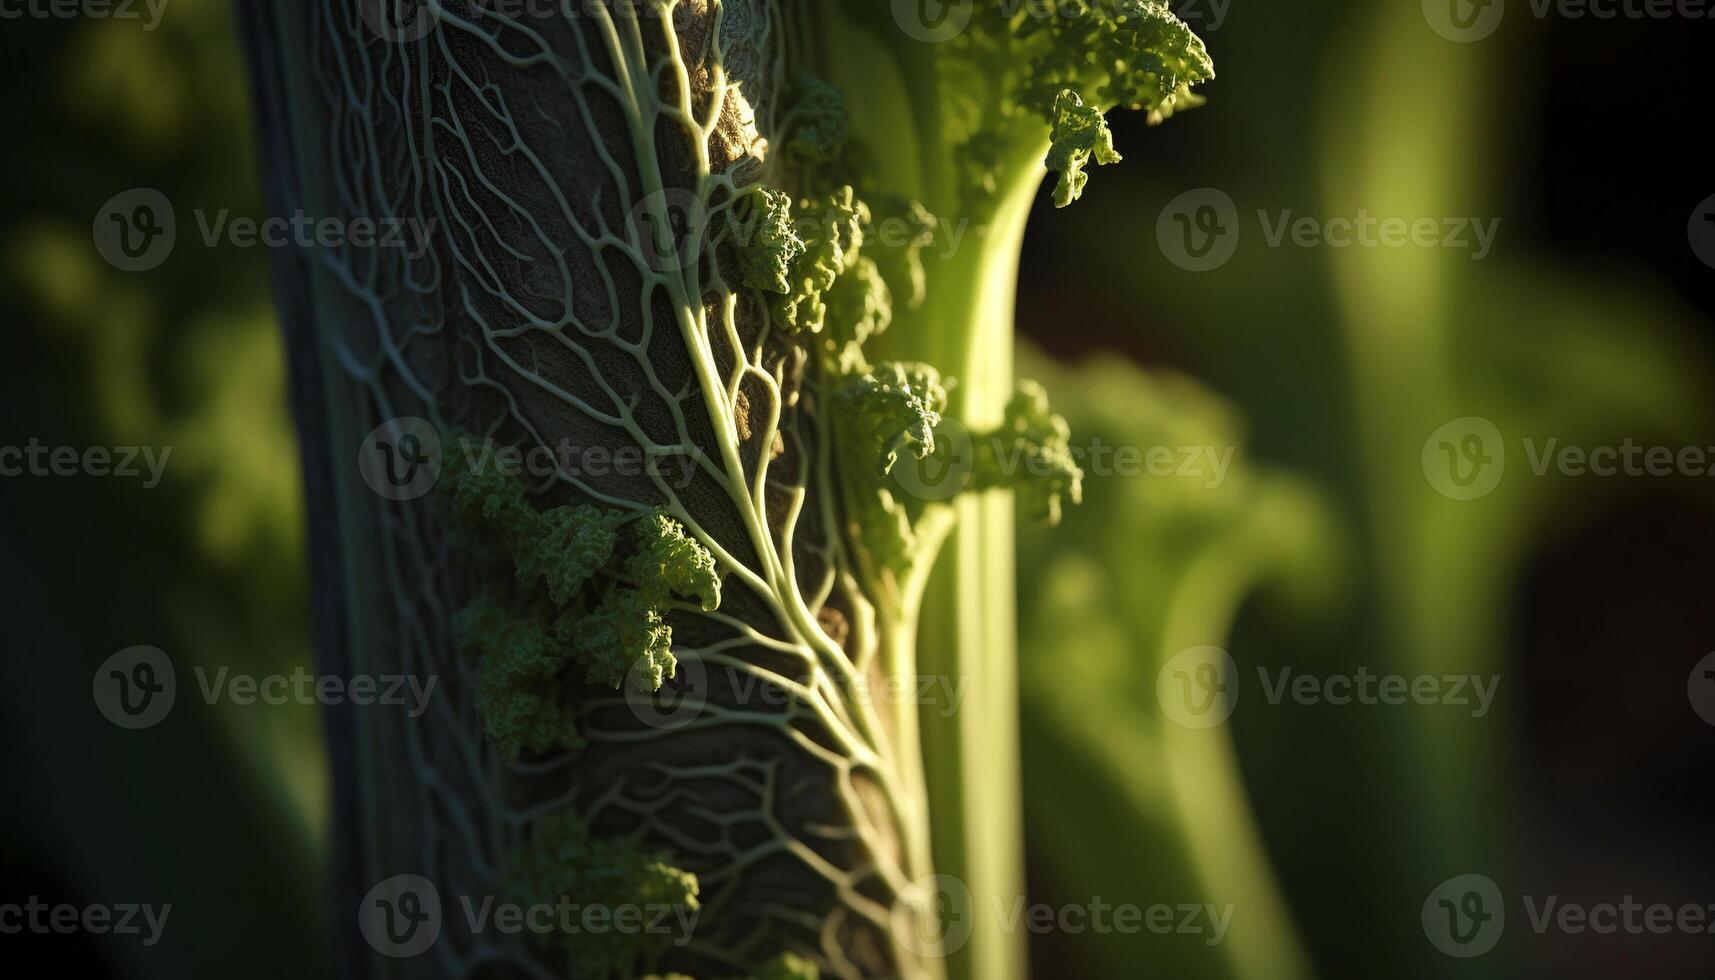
(768, 247)
(815, 127)
(1079, 134)
(1100, 54)
(832, 230)
(625, 636)
(518, 690)
(892, 408)
(1031, 451)
(563, 547)
(563, 862)
(613, 629)
(671, 562)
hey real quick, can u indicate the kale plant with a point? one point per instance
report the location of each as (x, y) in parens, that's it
(733, 279)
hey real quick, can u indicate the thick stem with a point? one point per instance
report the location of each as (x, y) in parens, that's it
(967, 638)
(967, 632)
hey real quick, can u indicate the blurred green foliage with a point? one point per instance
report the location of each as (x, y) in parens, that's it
(1326, 828)
(208, 565)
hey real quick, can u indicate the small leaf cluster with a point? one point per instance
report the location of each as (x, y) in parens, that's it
(579, 597)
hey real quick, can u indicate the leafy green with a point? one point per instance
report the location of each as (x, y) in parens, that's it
(670, 562)
(768, 247)
(563, 862)
(1078, 135)
(1031, 451)
(518, 690)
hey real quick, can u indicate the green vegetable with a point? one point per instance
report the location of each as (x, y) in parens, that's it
(763, 251)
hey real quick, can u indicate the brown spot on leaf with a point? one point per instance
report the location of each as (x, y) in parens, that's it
(834, 623)
(741, 415)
